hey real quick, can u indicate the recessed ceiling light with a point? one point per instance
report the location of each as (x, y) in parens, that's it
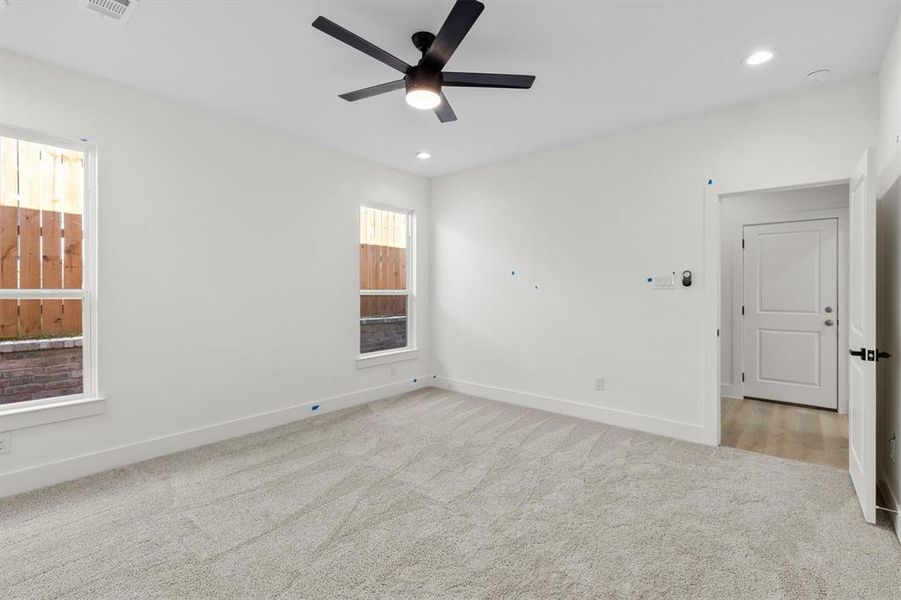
(758, 58)
(423, 155)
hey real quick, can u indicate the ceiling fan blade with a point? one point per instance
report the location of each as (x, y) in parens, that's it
(375, 90)
(488, 80)
(444, 111)
(352, 39)
(458, 23)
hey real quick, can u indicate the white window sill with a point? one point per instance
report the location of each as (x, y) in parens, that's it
(383, 358)
(37, 412)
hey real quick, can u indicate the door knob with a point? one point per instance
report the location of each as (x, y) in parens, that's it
(828, 322)
(828, 309)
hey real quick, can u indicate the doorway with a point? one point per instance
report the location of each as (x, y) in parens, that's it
(857, 368)
(784, 290)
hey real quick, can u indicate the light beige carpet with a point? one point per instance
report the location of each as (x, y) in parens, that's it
(435, 494)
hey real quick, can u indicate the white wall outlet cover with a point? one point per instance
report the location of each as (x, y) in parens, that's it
(5, 442)
(599, 384)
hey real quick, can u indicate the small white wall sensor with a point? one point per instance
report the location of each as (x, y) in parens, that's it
(662, 282)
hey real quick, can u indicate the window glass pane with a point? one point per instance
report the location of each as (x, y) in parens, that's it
(383, 249)
(383, 323)
(41, 237)
(35, 369)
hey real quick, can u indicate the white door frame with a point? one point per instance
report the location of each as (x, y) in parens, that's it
(841, 215)
(713, 235)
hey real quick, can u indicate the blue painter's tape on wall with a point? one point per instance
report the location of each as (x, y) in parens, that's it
(709, 182)
(314, 408)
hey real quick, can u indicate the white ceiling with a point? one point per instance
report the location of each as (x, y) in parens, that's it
(601, 66)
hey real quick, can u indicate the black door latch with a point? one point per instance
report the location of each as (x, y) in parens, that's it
(869, 355)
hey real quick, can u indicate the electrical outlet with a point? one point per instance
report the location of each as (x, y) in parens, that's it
(5, 442)
(599, 384)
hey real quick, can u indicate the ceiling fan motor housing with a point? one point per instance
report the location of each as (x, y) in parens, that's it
(423, 78)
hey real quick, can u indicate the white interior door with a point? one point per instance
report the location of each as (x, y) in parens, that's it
(862, 336)
(790, 321)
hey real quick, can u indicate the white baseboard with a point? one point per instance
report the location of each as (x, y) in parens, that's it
(17, 482)
(676, 429)
(892, 502)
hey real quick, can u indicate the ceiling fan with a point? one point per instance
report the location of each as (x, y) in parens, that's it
(423, 81)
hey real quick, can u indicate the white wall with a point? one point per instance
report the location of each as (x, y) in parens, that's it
(889, 151)
(751, 208)
(889, 257)
(587, 224)
(228, 278)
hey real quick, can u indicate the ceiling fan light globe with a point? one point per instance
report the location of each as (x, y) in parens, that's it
(423, 99)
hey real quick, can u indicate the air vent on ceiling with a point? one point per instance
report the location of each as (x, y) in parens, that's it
(120, 10)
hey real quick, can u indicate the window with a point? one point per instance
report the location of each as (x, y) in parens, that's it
(46, 270)
(386, 278)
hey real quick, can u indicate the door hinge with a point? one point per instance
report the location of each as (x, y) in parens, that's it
(743, 243)
(717, 333)
(742, 310)
(742, 377)
(882, 354)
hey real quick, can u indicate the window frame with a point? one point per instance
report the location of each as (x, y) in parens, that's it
(30, 413)
(411, 350)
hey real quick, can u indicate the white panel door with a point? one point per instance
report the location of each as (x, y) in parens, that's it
(790, 322)
(862, 336)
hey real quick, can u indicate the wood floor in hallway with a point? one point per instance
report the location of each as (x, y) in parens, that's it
(809, 435)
